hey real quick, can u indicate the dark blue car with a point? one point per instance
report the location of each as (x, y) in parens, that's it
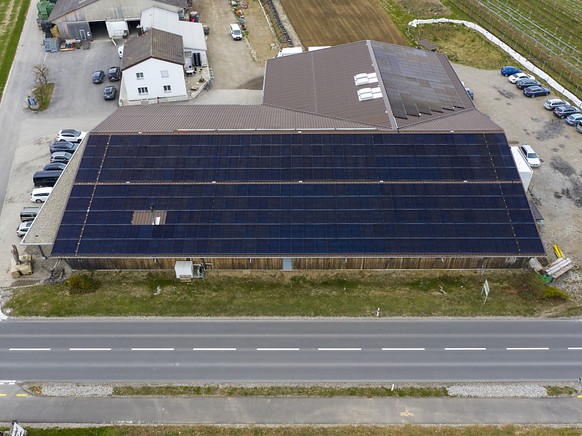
(524, 83)
(534, 91)
(508, 70)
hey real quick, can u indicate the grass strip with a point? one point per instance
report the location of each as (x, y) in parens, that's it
(560, 391)
(305, 293)
(280, 391)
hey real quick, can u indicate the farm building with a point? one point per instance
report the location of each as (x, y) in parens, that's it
(153, 68)
(382, 162)
(82, 18)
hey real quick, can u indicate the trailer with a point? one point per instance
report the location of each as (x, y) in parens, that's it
(523, 168)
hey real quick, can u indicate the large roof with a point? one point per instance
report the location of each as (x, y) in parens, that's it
(63, 7)
(387, 85)
(297, 194)
(154, 43)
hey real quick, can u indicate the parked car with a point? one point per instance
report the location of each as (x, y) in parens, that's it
(579, 127)
(110, 92)
(39, 195)
(114, 74)
(530, 155)
(54, 167)
(98, 77)
(574, 119)
(235, 32)
(564, 111)
(508, 70)
(63, 146)
(552, 103)
(22, 229)
(61, 157)
(120, 51)
(470, 93)
(524, 83)
(535, 91)
(71, 135)
(518, 76)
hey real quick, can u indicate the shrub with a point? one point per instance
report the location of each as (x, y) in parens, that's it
(555, 293)
(81, 284)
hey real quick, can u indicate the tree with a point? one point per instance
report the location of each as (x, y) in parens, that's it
(41, 89)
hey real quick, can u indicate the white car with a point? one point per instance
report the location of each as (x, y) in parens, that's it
(235, 32)
(552, 103)
(120, 51)
(71, 135)
(530, 155)
(518, 76)
(23, 228)
(39, 195)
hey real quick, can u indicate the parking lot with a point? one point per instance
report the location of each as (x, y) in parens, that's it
(77, 103)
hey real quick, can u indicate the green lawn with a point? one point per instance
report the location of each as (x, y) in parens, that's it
(264, 293)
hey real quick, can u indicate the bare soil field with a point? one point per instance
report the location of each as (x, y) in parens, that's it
(328, 22)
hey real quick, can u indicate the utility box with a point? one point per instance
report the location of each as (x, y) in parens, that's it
(184, 270)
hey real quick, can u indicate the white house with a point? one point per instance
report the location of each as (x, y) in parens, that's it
(153, 69)
(192, 33)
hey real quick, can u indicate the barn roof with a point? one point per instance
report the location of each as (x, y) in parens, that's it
(63, 7)
(156, 44)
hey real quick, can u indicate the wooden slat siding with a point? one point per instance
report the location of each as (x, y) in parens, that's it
(307, 263)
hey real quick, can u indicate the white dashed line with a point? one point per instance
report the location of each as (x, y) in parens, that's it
(574, 348)
(466, 349)
(7, 382)
(29, 349)
(403, 349)
(89, 349)
(339, 349)
(213, 349)
(528, 349)
(152, 349)
(277, 349)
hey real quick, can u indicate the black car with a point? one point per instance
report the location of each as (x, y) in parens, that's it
(110, 92)
(524, 83)
(534, 91)
(54, 167)
(63, 146)
(114, 74)
(98, 77)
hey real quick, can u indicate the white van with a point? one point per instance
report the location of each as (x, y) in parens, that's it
(235, 32)
(40, 195)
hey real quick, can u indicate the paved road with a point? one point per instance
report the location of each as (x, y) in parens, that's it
(290, 350)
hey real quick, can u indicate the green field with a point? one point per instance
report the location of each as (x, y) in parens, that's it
(547, 32)
(12, 14)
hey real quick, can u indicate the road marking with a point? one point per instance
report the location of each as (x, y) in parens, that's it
(152, 349)
(213, 349)
(29, 349)
(89, 349)
(7, 382)
(2, 395)
(466, 349)
(574, 348)
(277, 349)
(22, 395)
(527, 349)
(403, 349)
(339, 349)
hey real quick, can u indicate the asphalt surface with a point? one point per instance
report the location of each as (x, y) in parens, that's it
(29, 409)
(290, 350)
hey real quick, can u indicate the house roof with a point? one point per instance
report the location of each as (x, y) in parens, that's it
(243, 118)
(156, 44)
(63, 7)
(411, 87)
(162, 19)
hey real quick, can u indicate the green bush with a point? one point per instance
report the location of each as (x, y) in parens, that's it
(555, 293)
(82, 284)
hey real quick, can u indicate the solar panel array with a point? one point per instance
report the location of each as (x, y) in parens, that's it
(298, 194)
(415, 81)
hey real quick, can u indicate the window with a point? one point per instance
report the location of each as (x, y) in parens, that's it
(139, 76)
(143, 90)
(165, 73)
(167, 88)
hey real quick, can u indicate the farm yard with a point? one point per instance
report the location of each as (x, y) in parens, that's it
(545, 31)
(328, 22)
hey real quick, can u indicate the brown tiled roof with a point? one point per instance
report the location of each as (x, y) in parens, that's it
(465, 121)
(156, 44)
(171, 118)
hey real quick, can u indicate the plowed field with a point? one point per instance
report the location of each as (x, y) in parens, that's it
(333, 22)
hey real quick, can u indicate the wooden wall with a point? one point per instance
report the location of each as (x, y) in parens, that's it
(321, 263)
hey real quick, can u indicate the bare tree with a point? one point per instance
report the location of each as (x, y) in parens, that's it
(41, 90)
